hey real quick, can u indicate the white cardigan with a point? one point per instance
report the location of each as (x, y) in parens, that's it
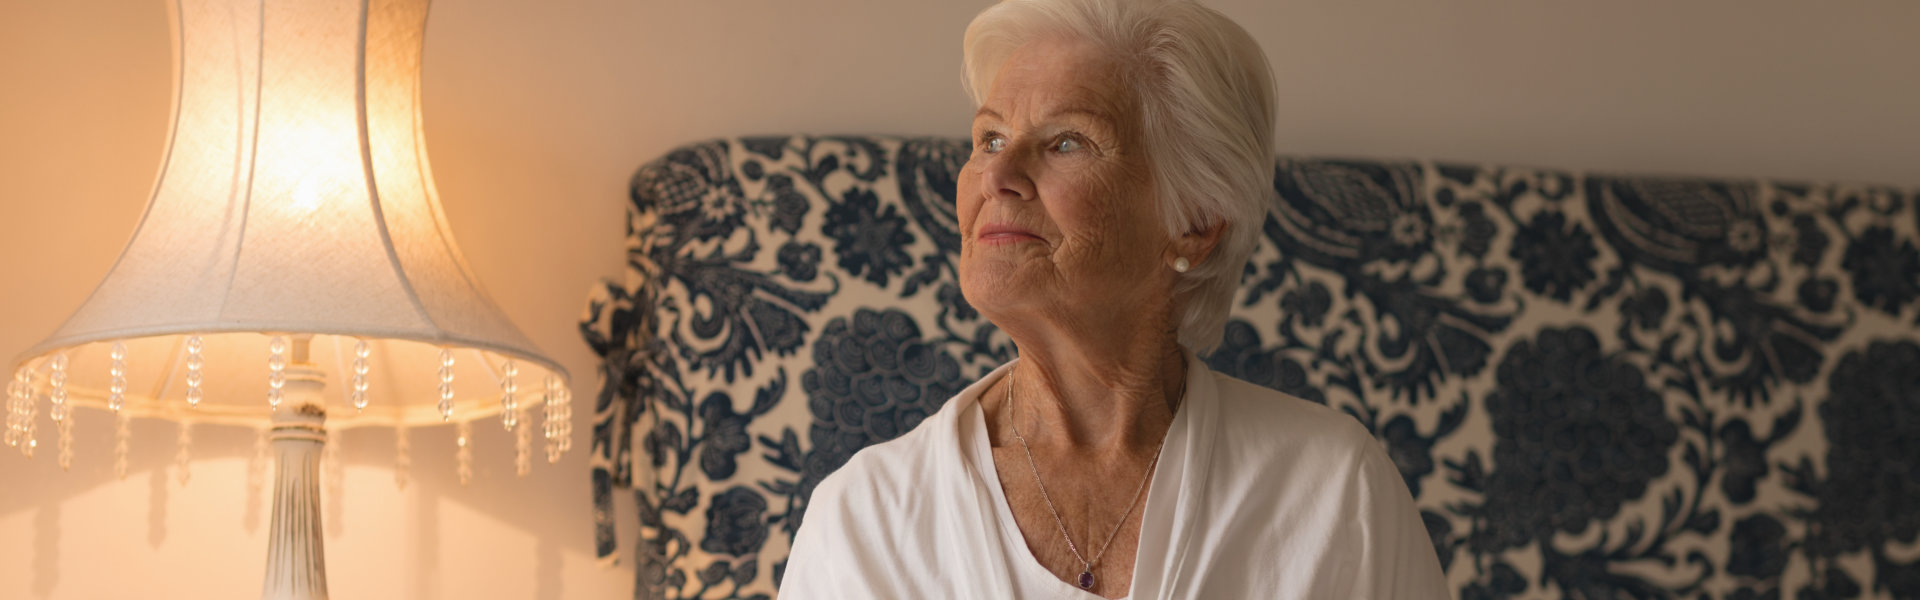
(1258, 495)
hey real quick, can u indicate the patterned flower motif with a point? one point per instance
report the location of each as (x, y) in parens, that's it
(651, 575)
(736, 311)
(1502, 581)
(955, 301)
(1647, 309)
(1886, 271)
(1409, 230)
(1745, 463)
(770, 147)
(1410, 451)
(1818, 294)
(696, 189)
(1477, 231)
(868, 239)
(736, 522)
(1422, 337)
(874, 378)
(1680, 225)
(789, 205)
(1486, 285)
(726, 436)
(1809, 242)
(1746, 237)
(1372, 224)
(661, 442)
(1346, 213)
(1759, 548)
(1838, 585)
(1240, 355)
(799, 260)
(1884, 201)
(1555, 259)
(929, 175)
(1310, 304)
(1577, 433)
(1754, 342)
(1871, 416)
(1554, 185)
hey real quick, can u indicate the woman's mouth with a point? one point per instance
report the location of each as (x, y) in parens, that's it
(994, 235)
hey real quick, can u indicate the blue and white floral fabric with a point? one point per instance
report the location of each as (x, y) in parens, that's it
(1595, 386)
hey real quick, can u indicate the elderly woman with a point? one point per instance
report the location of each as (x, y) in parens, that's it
(1120, 172)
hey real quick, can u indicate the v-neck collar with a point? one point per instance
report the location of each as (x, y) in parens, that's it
(1166, 524)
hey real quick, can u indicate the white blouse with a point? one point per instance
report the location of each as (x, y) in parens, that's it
(1257, 495)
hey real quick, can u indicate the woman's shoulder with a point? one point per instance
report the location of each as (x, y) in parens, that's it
(1351, 528)
(892, 471)
(1256, 406)
(1258, 418)
(871, 517)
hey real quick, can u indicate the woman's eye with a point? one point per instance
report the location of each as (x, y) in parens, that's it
(1067, 144)
(995, 144)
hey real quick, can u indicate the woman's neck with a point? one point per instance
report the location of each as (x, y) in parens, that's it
(1098, 398)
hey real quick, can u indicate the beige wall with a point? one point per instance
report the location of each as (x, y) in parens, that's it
(538, 111)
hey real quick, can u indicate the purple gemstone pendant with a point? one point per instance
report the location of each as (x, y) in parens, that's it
(1086, 580)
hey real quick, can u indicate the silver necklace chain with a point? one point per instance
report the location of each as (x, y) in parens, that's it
(1013, 421)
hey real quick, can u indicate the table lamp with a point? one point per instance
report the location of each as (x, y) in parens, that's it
(293, 269)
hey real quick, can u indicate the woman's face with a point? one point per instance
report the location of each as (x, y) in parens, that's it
(1056, 217)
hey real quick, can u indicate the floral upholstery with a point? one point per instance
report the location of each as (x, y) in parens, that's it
(1595, 386)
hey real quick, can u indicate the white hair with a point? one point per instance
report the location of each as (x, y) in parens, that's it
(1206, 102)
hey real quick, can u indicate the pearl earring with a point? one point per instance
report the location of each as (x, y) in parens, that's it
(1181, 265)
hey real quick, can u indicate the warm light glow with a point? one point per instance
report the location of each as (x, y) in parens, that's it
(316, 165)
(306, 199)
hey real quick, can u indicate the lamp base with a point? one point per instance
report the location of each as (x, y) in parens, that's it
(296, 558)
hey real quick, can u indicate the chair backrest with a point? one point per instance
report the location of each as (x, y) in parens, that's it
(1594, 386)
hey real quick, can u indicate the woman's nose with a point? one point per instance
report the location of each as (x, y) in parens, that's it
(1007, 176)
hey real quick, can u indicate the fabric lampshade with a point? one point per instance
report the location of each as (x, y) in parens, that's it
(294, 211)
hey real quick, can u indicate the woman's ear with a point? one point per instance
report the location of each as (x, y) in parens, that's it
(1197, 244)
